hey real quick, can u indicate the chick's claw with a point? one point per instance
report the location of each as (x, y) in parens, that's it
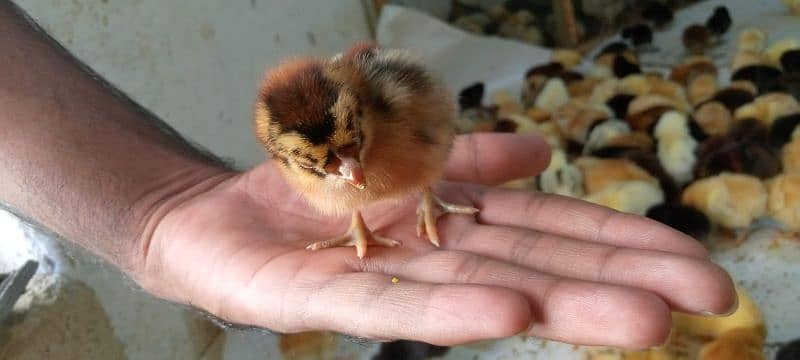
(358, 235)
(430, 209)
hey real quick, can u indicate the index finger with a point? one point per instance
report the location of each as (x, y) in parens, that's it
(495, 158)
(580, 220)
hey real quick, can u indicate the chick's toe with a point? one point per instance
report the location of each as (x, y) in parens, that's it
(357, 235)
(430, 209)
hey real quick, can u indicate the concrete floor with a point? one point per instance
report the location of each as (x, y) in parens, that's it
(195, 63)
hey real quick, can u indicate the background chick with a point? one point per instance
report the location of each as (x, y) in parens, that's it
(365, 125)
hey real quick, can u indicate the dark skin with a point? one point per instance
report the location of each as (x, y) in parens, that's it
(101, 172)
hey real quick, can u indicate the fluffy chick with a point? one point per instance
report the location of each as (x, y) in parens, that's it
(676, 146)
(731, 200)
(366, 125)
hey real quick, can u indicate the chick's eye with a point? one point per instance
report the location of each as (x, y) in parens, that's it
(305, 166)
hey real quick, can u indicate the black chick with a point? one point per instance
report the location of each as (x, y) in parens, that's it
(720, 21)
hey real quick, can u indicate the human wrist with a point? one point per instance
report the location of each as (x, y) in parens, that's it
(153, 206)
(81, 158)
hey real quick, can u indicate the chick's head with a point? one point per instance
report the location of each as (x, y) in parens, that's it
(312, 122)
(370, 117)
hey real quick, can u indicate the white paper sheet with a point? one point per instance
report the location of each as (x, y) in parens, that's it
(457, 57)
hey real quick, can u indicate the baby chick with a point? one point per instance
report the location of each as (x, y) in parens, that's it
(366, 125)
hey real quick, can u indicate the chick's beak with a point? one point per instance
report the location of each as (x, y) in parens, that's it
(350, 170)
(345, 165)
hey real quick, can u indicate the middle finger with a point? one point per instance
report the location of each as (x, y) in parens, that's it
(580, 220)
(685, 283)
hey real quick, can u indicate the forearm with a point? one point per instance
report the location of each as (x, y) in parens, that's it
(81, 159)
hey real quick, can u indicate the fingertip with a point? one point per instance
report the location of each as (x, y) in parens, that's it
(533, 142)
(517, 315)
(494, 313)
(530, 151)
(653, 327)
(644, 321)
(722, 290)
(684, 283)
(706, 288)
(596, 314)
(495, 158)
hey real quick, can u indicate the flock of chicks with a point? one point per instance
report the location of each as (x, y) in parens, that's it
(504, 21)
(533, 23)
(683, 148)
(688, 148)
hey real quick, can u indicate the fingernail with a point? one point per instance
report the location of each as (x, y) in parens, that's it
(668, 340)
(730, 311)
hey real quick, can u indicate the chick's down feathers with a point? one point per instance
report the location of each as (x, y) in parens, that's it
(381, 104)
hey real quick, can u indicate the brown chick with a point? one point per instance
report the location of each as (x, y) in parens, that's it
(366, 125)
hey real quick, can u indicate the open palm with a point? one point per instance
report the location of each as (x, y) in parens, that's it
(529, 262)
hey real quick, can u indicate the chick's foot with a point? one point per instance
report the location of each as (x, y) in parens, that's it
(358, 235)
(430, 209)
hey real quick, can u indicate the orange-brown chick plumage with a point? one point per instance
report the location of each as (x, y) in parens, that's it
(366, 125)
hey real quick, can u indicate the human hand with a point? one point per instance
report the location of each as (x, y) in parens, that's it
(531, 263)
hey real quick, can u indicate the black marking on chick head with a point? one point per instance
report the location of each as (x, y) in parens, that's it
(317, 132)
(302, 104)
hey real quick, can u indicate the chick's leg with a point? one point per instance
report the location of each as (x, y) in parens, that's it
(430, 209)
(358, 235)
